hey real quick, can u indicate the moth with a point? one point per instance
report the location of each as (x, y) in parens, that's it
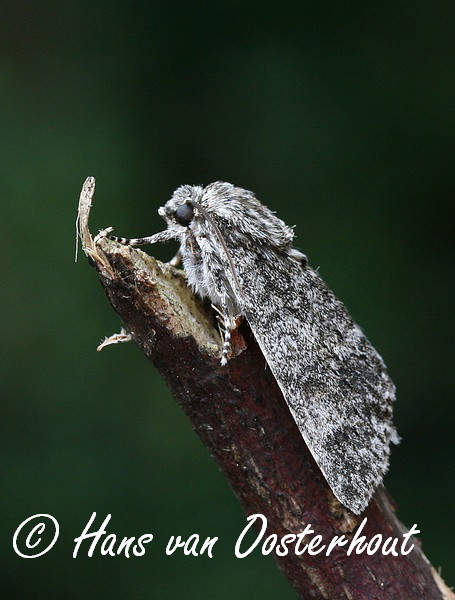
(239, 254)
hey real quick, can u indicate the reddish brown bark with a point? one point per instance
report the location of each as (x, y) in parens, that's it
(241, 416)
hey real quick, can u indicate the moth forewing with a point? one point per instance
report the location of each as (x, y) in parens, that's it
(332, 379)
(239, 254)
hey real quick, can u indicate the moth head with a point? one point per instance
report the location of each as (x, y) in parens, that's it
(184, 214)
(179, 212)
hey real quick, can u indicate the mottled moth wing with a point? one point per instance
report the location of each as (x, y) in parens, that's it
(340, 395)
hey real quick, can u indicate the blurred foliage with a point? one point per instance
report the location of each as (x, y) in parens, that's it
(340, 117)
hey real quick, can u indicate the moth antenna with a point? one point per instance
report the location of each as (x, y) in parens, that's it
(222, 242)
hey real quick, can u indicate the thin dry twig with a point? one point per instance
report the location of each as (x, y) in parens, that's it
(239, 413)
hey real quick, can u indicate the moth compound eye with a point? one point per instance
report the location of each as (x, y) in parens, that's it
(184, 214)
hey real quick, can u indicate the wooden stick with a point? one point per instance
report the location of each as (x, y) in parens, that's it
(241, 416)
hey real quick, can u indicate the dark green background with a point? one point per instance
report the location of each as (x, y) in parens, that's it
(340, 117)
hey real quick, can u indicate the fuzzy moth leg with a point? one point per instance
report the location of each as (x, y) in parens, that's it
(226, 324)
(176, 260)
